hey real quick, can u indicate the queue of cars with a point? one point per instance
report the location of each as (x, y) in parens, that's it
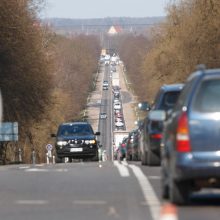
(190, 147)
(143, 143)
(151, 132)
(119, 122)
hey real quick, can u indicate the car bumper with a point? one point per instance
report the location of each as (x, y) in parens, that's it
(187, 167)
(155, 145)
(79, 152)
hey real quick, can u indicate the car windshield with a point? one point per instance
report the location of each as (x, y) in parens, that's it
(74, 130)
(207, 98)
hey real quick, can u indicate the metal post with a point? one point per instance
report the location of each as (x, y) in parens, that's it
(47, 158)
(54, 159)
(19, 155)
(33, 157)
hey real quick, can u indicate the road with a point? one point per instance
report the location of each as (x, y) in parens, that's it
(93, 190)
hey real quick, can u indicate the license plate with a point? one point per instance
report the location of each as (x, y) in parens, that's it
(76, 149)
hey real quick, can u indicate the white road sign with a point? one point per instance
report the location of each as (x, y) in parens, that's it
(49, 147)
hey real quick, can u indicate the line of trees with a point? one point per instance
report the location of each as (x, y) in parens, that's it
(189, 36)
(45, 79)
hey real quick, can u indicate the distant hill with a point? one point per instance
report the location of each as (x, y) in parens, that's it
(101, 25)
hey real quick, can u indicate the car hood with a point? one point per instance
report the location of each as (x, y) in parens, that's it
(83, 137)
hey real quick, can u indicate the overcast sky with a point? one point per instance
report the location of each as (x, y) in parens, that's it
(104, 8)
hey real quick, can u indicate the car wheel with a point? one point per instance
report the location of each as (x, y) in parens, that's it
(96, 157)
(143, 158)
(164, 187)
(179, 192)
(59, 160)
(153, 159)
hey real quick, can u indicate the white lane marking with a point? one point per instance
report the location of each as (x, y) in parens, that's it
(61, 170)
(89, 202)
(31, 202)
(148, 191)
(124, 162)
(113, 213)
(40, 165)
(24, 167)
(36, 170)
(45, 170)
(123, 170)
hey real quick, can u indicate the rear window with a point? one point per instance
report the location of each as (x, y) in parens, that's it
(207, 97)
(75, 130)
(169, 100)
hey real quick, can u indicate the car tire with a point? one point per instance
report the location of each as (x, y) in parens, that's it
(59, 160)
(164, 188)
(96, 157)
(153, 159)
(143, 158)
(179, 192)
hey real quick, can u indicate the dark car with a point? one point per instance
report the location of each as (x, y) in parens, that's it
(151, 133)
(76, 140)
(191, 142)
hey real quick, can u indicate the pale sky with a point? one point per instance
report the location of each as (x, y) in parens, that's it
(104, 8)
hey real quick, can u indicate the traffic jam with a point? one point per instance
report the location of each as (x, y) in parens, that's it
(179, 133)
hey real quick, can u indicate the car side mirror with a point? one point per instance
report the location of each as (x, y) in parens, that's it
(144, 106)
(53, 135)
(97, 133)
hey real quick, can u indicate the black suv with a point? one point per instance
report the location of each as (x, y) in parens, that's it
(76, 140)
(151, 133)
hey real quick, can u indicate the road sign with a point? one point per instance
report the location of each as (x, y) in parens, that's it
(9, 131)
(49, 147)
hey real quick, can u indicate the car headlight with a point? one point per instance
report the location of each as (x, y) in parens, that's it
(90, 141)
(61, 143)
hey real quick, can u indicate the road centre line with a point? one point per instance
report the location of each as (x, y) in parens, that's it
(123, 170)
(31, 202)
(89, 202)
(148, 192)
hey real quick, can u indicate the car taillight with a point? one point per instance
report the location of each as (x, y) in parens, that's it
(182, 136)
(156, 136)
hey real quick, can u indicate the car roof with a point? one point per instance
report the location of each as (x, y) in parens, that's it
(204, 72)
(172, 87)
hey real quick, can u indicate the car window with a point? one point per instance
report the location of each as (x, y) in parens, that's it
(74, 130)
(207, 96)
(169, 100)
